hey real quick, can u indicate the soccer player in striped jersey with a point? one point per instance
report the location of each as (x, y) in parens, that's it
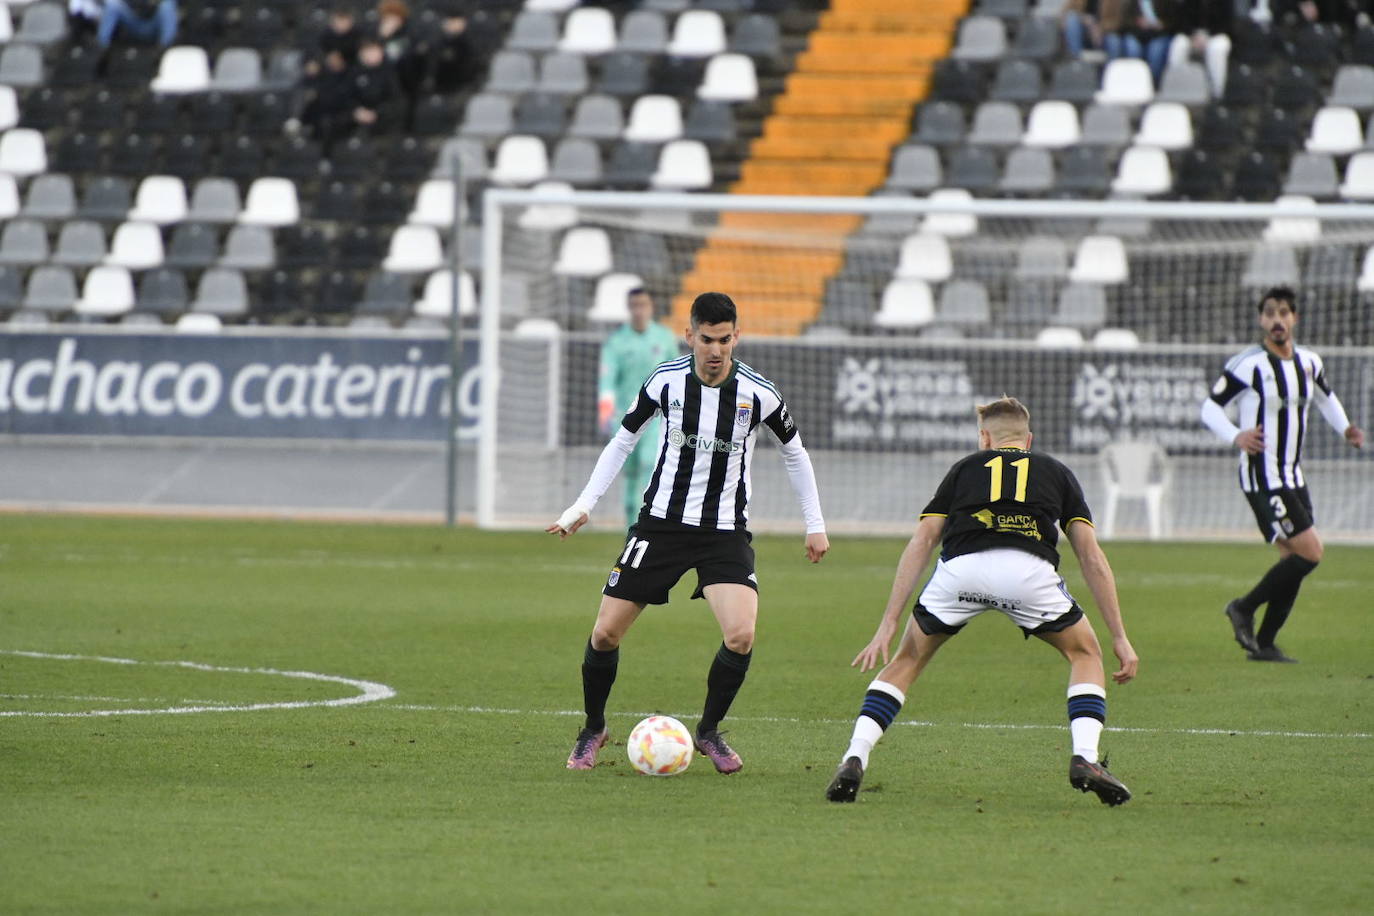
(994, 517)
(1272, 384)
(694, 516)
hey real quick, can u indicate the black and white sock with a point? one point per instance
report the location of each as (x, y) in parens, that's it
(1087, 716)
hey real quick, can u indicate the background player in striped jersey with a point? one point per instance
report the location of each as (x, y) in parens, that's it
(627, 357)
(694, 516)
(994, 517)
(1272, 384)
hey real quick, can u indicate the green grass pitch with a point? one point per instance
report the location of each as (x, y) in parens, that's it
(1252, 782)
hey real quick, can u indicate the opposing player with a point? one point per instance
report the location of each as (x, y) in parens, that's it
(994, 516)
(627, 357)
(693, 516)
(1273, 383)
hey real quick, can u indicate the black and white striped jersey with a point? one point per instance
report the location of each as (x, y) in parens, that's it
(701, 475)
(1274, 394)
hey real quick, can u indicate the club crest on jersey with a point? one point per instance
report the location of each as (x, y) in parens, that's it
(742, 414)
(614, 577)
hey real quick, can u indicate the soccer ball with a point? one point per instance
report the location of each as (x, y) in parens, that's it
(660, 746)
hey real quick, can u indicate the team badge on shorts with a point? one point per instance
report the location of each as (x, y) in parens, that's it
(742, 414)
(614, 577)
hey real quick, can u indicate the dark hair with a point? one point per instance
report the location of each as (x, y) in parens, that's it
(636, 291)
(713, 308)
(1281, 293)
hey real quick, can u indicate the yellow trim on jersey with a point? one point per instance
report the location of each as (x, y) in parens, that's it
(934, 515)
(1079, 518)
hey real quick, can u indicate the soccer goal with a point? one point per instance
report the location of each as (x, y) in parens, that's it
(884, 320)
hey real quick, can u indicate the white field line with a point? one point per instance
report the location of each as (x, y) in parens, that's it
(911, 723)
(95, 699)
(368, 691)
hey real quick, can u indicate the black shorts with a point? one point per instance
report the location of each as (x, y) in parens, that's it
(1281, 513)
(655, 558)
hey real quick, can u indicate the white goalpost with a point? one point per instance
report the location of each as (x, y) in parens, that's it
(884, 320)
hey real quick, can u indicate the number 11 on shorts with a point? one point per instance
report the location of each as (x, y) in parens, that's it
(636, 546)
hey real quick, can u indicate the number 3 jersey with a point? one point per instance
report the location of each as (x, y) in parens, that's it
(1007, 497)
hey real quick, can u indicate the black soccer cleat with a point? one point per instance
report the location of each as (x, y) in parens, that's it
(1270, 654)
(1093, 777)
(1242, 625)
(845, 786)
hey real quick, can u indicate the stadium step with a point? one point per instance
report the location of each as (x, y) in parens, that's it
(846, 104)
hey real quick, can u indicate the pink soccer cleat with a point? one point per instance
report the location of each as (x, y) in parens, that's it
(712, 745)
(583, 756)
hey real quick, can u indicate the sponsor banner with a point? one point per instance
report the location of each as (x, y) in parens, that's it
(285, 386)
(920, 396)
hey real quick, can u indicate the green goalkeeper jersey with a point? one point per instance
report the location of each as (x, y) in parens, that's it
(627, 358)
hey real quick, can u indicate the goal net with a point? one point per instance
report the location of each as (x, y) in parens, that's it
(883, 321)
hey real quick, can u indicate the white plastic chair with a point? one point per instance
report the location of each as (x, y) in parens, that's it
(1055, 338)
(584, 252)
(1335, 129)
(1166, 125)
(729, 78)
(588, 30)
(950, 225)
(1143, 170)
(1134, 469)
(611, 301)
(1100, 259)
(108, 291)
(199, 323)
(924, 256)
(654, 119)
(436, 300)
(905, 304)
(184, 68)
(414, 249)
(1052, 125)
(22, 152)
(433, 204)
(683, 165)
(1293, 228)
(9, 196)
(1365, 283)
(1126, 81)
(549, 216)
(1359, 177)
(137, 246)
(271, 202)
(520, 159)
(161, 199)
(1116, 339)
(9, 108)
(697, 33)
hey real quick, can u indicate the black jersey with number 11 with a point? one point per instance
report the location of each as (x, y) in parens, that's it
(1006, 497)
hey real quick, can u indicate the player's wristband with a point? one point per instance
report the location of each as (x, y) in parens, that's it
(570, 516)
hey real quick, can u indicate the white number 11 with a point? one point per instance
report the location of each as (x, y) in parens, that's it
(637, 547)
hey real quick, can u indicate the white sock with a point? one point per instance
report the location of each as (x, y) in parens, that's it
(866, 734)
(1085, 732)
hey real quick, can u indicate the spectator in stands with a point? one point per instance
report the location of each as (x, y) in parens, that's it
(1082, 31)
(341, 35)
(328, 111)
(453, 58)
(1154, 29)
(403, 51)
(1203, 19)
(376, 101)
(130, 20)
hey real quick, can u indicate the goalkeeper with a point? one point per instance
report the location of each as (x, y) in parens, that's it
(627, 357)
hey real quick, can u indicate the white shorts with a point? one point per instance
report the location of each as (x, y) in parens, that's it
(1021, 585)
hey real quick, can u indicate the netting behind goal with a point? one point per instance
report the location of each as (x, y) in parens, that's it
(884, 322)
